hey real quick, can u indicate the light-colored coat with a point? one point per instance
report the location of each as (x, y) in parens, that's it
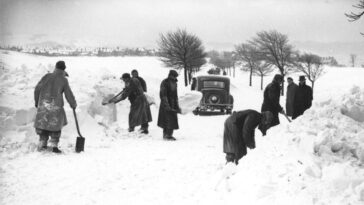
(48, 97)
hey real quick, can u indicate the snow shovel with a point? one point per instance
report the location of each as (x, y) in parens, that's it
(80, 141)
(105, 103)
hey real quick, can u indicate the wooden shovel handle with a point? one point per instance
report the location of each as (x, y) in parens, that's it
(78, 129)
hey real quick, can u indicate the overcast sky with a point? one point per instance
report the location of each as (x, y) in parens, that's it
(139, 22)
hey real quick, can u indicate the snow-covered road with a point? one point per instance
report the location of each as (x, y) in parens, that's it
(316, 159)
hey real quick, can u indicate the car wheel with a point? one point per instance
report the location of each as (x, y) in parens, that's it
(195, 111)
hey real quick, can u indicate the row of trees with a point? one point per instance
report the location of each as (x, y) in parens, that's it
(260, 55)
(267, 51)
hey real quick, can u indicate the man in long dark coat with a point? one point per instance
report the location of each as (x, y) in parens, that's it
(271, 96)
(169, 107)
(303, 98)
(239, 132)
(139, 109)
(291, 90)
(135, 74)
(48, 97)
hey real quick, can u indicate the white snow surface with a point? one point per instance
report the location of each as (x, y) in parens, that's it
(316, 159)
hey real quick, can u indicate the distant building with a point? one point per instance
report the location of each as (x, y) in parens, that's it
(331, 61)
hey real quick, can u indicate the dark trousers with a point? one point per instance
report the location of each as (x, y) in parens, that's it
(44, 136)
(167, 131)
(145, 126)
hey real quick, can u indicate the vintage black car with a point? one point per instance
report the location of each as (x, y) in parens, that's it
(215, 94)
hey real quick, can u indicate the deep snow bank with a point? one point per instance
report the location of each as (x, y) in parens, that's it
(326, 145)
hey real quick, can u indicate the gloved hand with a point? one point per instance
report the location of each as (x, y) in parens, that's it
(74, 106)
(282, 112)
(173, 110)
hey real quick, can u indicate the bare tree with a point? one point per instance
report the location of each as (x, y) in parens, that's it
(356, 16)
(247, 54)
(181, 50)
(311, 66)
(275, 50)
(352, 59)
(262, 69)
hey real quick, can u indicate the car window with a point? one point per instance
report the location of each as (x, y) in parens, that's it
(213, 84)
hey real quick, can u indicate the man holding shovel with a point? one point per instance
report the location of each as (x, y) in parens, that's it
(139, 110)
(48, 97)
(271, 99)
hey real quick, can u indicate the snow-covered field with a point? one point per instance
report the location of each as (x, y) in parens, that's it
(316, 159)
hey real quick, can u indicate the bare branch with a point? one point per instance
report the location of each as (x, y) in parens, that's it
(356, 16)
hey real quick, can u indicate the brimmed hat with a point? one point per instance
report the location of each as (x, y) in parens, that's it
(302, 78)
(61, 65)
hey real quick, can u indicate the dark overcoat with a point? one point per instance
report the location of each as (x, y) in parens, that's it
(139, 107)
(142, 83)
(271, 96)
(167, 117)
(302, 101)
(239, 132)
(291, 90)
(48, 97)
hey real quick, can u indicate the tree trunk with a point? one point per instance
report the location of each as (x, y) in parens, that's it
(189, 76)
(282, 88)
(261, 82)
(313, 84)
(185, 75)
(234, 70)
(250, 77)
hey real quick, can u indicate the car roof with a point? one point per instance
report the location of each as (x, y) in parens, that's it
(213, 77)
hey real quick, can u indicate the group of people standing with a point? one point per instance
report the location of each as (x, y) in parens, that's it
(140, 114)
(299, 97)
(51, 117)
(239, 128)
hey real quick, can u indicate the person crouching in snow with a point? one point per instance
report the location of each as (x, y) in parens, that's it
(239, 131)
(139, 110)
(51, 117)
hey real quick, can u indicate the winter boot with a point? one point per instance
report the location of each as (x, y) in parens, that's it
(42, 146)
(144, 130)
(131, 129)
(56, 150)
(169, 138)
(230, 157)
